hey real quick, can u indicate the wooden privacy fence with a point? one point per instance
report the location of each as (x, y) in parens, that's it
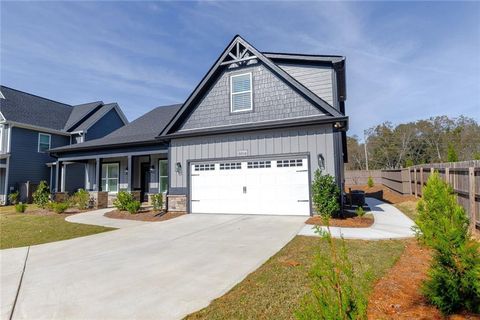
(464, 177)
(360, 177)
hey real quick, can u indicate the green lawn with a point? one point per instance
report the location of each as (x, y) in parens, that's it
(18, 230)
(409, 208)
(275, 290)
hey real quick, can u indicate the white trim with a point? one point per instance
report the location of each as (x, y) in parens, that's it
(49, 142)
(37, 128)
(7, 172)
(232, 93)
(1, 95)
(107, 178)
(160, 176)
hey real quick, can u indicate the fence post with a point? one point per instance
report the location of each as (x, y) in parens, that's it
(447, 175)
(471, 197)
(415, 181)
(421, 181)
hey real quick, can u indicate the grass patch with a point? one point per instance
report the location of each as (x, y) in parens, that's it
(275, 290)
(18, 230)
(409, 208)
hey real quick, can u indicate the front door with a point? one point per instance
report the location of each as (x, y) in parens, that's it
(145, 181)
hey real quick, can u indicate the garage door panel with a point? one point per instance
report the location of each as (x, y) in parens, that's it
(251, 187)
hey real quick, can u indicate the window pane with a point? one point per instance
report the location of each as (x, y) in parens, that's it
(163, 184)
(104, 171)
(44, 147)
(241, 101)
(241, 83)
(113, 170)
(163, 165)
(104, 185)
(112, 185)
(44, 139)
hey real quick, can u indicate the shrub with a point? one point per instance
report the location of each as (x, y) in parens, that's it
(451, 153)
(370, 183)
(123, 199)
(325, 194)
(59, 207)
(453, 282)
(133, 206)
(41, 195)
(360, 212)
(157, 201)
(13, 197)
(81, 199)
(20, 207)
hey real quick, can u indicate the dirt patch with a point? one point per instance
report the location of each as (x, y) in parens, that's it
(382, 193)
(398, 295)
(144, 215)
(349, 221)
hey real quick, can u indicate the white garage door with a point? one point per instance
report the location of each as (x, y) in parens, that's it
(251, 187)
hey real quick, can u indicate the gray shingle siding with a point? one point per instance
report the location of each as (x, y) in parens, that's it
(110, 122)
(318, 79)
(273, 99)
(26, 163)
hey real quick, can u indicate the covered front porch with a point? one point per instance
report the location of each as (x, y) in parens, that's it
(141, 173)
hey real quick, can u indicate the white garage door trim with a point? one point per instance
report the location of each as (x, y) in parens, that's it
(275, 185)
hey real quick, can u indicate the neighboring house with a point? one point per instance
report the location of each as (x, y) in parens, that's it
(246, 141)
(31, 125)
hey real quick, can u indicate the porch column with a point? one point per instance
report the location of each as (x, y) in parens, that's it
(57, 175)
(129, 173)
(96, 185)
(63, 177)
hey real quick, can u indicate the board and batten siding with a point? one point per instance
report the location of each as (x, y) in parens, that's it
(273, 99)
(318, 79)
(276, 142)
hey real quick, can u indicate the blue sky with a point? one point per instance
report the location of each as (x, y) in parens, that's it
(405, 60)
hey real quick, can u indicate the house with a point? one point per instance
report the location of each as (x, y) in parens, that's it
(246, 141)
(31, 125)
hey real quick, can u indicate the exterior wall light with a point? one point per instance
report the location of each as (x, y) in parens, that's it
(321, 162)
(126, 171)
(178, 167)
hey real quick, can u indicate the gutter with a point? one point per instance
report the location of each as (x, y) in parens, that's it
(36, 128)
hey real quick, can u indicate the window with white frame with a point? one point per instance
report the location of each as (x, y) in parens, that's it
(110, 174)
(44, 141)
(241, 92)
(162, 176)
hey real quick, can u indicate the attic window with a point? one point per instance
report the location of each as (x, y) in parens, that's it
(241, 92)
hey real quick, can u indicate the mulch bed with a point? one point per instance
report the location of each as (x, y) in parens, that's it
(45, 212)
(143, 215)
(382, 193)
(349, 221)
(398, 295)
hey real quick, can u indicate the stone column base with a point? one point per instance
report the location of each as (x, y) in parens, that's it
(177, 203)
(60, 196)
(99, 199)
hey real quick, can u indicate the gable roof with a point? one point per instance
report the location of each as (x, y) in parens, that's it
(226, 57)
(28, 109)
(142, 130)
(81, 111)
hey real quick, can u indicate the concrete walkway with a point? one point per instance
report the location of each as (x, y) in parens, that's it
(97, 217)
(390, 223)
(158, 270)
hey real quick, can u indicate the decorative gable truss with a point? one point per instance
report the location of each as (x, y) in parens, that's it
(238, 55)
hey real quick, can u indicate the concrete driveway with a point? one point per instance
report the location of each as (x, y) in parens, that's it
(159, 270)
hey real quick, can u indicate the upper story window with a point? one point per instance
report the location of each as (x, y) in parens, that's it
(44, 141)
(241, 92)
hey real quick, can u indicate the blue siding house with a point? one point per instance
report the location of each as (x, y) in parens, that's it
(31, 125)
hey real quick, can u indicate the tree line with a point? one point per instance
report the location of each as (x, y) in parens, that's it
(434, 140)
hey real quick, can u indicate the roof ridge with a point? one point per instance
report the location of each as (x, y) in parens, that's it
(304, 54)
(37, 96)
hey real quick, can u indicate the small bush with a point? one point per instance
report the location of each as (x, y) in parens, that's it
(13, 197)
(20, 207)
(453, 282)
(122, 201)
(370, 183)
(81, 199)
(325, 194)
(133, 206)
(41, 196)
(157, 201)
(360, 212)
(59, 207)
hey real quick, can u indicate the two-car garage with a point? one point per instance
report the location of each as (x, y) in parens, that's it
(277, 186)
